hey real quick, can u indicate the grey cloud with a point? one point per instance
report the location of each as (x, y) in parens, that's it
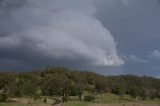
(158, 77)
(70, 33)
(57, 29)
(135, 59)
(7, 63)
(126, 2)
(155, 54)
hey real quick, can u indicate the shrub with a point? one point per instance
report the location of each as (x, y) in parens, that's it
(3, 97)
(89, 98)
(44, 100)
(64, 99)
(37, 96)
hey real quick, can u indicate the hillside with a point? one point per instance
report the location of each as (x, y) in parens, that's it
(58, 81)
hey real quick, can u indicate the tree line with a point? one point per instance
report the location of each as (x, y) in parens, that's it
(63, 82)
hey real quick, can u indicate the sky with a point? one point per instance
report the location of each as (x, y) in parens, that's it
(109, 37)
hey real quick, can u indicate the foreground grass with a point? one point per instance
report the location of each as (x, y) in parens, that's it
(76, 103)
(29, 102)
(109, 99)
(101, 100)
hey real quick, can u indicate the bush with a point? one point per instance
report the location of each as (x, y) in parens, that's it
(64, 99)
(89, 98)
(2, 98)
(44, 100)
(37, 96)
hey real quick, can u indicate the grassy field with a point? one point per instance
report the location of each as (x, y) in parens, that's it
(105, 100)
(114, 100)
(29, 102)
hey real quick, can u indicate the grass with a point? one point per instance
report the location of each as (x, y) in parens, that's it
(29, 102)
(75, 103)
(107, 100)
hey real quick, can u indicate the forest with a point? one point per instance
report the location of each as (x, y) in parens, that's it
(63, 82)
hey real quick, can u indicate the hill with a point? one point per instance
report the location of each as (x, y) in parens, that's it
(59, 81)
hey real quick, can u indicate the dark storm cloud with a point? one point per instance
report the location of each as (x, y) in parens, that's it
(8, 63)
(83, 34)
(55, 32)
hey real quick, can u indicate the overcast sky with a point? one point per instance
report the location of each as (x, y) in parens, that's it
(110, 37)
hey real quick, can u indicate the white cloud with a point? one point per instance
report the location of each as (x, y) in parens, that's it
(155, 54)
(66, 28)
